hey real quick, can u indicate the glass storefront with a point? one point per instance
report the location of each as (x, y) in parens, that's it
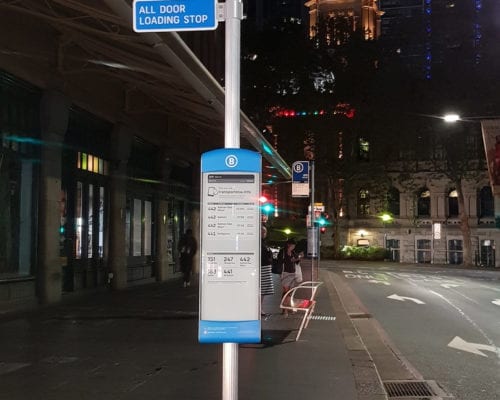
(19, 158)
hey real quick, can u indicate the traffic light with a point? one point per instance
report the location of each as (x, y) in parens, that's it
(322, 221)
(265, 205)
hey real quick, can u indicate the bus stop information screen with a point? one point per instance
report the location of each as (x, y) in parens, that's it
(230, 270)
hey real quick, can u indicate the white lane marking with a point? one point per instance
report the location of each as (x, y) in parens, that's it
(471, 321)
(403, 298)
(377, 281)
(475, 348)
(6, 367)
(496, 301)
(449, 285)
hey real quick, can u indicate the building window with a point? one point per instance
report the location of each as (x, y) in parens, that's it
(455, 251)
(453, 203)
(138, 225)
(91, 163)
(363, 149)
(393, 201)
(486, 203)
(89, 220)
(79, 220)
(424, 203)
(363, 202)
(424, 251)
(340, 153)
(19, 153)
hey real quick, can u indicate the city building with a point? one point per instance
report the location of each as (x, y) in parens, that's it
(101, 133)
(420, 204)
(263, 13)
(361, 15)
(426, 34)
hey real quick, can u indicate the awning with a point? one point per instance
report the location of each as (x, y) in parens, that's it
(161, 73)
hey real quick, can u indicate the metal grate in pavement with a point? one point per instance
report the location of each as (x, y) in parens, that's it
(415, 390)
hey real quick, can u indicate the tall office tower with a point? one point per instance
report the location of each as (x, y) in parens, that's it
(427, 35)
(265, 12)
(353, 14)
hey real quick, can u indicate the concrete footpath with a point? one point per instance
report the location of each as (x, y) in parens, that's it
(141, 343)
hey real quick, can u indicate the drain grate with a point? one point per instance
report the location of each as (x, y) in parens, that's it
(402, 389)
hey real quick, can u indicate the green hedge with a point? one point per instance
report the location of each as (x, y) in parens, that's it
(364, 253)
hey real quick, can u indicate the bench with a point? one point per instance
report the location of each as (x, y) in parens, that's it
(301, 298)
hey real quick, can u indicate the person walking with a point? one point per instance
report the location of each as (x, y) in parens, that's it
(266, 275)
(187, 249)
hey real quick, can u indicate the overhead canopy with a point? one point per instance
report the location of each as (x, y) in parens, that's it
(151, 74)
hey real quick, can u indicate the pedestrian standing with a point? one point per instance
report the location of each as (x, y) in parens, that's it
(287, 258)
(187, 249)
(266, 275)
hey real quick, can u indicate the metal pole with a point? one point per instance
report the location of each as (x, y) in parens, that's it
(313, 219)
(234, 15)
(229, 371)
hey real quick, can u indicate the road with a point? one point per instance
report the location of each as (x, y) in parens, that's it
(444, 322)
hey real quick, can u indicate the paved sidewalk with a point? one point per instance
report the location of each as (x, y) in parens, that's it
(141, 343)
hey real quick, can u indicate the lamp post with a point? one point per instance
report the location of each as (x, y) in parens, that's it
(386, 218)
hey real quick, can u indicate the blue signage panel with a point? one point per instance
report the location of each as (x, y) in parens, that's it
(230, 247)
(174, 15)
(300, 172)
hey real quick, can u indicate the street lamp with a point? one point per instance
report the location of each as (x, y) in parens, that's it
(386, 218)
(451, 118)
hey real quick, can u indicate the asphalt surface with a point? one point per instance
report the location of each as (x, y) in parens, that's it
(141, 343)
(444, 323)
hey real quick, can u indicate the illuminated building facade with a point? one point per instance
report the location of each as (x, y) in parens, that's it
(358, 14)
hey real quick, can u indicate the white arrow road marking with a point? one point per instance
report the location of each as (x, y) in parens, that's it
(460, 344)
(6, 367)
(449, 285)
(402, 298)
(496, 301)
(382, 282)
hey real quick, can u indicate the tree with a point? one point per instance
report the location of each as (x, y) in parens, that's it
(463, 160)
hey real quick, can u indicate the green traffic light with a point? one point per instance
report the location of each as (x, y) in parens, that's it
(268, 208)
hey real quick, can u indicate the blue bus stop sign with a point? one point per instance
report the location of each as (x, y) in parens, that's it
(174, 15)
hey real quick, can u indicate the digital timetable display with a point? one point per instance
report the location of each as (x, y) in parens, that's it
(230, 247)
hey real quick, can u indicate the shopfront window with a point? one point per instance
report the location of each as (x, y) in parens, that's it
(19, 134)
(101, 222)
(79, 220)
(137, 228)
(89, 220)
(138, 225)
(90, 233)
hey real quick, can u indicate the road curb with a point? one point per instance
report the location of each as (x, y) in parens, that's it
(368, 382)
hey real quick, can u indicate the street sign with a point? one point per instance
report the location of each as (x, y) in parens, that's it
(230, 247)
(300, 179)
(174, 15)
